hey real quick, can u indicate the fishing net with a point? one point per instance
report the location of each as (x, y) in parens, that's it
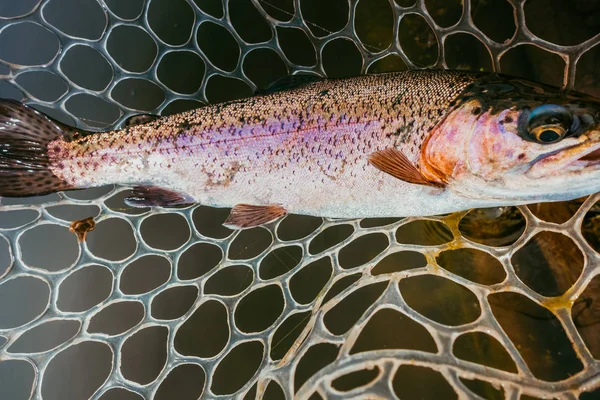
(167, 303)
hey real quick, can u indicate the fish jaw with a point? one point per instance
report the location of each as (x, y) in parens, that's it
(578, 158)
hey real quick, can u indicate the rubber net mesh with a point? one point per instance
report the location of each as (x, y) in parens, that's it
(167, 303)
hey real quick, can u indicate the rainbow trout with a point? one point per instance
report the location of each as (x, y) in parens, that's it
(397, 144)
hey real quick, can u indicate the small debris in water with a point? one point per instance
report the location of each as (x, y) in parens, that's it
(82, 227)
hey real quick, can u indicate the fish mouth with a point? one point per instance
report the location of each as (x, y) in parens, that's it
(593, 156)
(572, 158)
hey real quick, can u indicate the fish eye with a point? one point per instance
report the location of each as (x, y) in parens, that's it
(549, 123)
(548, 134)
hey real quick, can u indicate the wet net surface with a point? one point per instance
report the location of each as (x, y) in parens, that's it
(495, 303)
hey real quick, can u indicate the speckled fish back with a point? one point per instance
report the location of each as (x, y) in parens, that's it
(312, 140)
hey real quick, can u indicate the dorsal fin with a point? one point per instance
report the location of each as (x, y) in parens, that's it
(248, 216)
(291, 82)
(395, 163)
(139, 119)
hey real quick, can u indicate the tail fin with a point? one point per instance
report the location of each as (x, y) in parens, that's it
(24, 162)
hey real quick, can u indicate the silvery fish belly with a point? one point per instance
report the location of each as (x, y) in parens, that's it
(398, 144)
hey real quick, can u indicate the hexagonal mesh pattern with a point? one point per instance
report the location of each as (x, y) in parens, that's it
(167, 302)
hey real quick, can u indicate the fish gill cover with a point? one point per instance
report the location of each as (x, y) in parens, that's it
(167, 302)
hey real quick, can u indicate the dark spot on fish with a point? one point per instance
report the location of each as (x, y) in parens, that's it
(508, 120)
(476, 111)
(324, 92)
(184, 125)
(521, 156)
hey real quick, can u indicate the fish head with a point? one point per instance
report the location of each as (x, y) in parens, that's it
(509, 140)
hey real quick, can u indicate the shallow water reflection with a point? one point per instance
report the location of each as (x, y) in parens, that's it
(498, 226)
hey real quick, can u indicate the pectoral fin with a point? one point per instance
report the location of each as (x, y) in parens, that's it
(248, 216)
(149, 196)
(395, 163)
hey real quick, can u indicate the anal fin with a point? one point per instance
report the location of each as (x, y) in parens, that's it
(248, 216)
(149, 196)
(394, 162)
